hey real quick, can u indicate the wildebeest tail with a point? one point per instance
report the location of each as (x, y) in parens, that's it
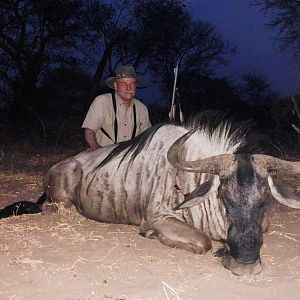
(23, 207)
(41, 200)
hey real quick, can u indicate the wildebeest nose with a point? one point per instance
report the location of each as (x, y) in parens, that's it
(247, 262)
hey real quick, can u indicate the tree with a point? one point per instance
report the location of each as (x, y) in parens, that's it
(108, 26)
(38, 37)
(194, 44)
(217, 94)
(64, 92)
(256, 90)
(285, 19)
(126, 32)
(34, 34)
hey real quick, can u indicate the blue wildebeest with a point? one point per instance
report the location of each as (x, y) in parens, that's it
(185, 186)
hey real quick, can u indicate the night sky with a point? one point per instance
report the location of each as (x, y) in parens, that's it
(257, 49)
(243, 25)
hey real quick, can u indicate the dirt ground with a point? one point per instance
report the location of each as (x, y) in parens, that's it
(65, 256)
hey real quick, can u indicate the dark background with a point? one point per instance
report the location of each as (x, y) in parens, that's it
(55, 56)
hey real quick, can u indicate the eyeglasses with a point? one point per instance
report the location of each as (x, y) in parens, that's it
(126, 86)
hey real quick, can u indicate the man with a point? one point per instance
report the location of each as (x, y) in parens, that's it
(118, 116)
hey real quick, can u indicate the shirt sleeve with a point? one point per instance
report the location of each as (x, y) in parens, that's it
(95, 116)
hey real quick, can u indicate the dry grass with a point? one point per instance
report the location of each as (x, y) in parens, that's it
(61, 247)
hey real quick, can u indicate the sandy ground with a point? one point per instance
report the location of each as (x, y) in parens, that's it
(65, 256)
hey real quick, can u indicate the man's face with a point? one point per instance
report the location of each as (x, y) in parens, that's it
(125, 88)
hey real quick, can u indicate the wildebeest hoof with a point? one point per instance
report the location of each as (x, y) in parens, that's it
(198, 249)
(149, 234)
(222, 251)
(240, 269)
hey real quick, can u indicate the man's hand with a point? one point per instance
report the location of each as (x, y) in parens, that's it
(93, 148)
(90, 138)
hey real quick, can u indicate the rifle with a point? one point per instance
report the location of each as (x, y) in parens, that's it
(175, 104)
(295, 104)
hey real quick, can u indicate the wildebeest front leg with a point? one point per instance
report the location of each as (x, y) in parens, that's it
(177, 234)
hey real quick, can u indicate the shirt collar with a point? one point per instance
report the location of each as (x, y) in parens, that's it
(121, 102)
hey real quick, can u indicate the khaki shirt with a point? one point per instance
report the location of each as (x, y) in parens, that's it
(101, 114)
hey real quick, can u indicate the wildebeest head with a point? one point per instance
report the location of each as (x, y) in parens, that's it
(244, 183)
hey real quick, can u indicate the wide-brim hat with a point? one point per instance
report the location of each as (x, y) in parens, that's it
(124, 72)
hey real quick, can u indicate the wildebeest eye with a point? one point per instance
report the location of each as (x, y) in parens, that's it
(271, 171)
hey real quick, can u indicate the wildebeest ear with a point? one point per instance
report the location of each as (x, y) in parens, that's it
(283, 194)
(200, 193)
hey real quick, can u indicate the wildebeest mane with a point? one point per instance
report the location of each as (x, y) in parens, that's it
(253, 142)
(134, 146)
(209, 120)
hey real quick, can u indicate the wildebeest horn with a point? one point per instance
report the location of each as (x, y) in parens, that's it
(277, 168)
(283, 177)
(217, 165)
